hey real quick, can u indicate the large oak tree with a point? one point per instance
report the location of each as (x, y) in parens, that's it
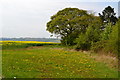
(69, 23)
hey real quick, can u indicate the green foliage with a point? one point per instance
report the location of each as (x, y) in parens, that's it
(108, 15)
(110, 41)
(106, 33)
(69, 23)
(68, 40)
(86, 31)
(98, 46)
(62, 22)
(113, 42)
(92, 34)
(84, 41)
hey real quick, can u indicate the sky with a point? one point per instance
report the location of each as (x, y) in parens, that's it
(28, 18)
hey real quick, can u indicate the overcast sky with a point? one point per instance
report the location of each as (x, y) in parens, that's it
(28, 18)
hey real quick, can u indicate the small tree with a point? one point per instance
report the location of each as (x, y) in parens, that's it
(113, 42)
(85, 41)
(108, 16)
(105, 34)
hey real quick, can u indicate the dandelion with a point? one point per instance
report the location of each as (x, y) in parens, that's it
(14, 77)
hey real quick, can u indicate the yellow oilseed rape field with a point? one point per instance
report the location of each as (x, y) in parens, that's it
(23, 44)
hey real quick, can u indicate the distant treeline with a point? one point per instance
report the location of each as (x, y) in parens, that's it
(32, 39)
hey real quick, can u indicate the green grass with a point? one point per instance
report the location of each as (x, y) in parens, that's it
(17, 45)
(52, 61)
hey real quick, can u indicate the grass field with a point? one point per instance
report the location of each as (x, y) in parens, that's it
(25, 60)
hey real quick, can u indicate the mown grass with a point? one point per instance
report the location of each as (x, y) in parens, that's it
(52, 61)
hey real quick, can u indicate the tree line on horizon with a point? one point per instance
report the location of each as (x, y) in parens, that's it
(85, 31)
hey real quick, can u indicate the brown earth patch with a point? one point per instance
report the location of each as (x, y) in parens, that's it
(110, 61)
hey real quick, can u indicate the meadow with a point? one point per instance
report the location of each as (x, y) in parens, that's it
(32, 59)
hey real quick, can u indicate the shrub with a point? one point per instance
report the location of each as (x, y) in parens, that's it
(113, 42)
(85, 40)
(98, 46)
(109, 42)
(106, 33)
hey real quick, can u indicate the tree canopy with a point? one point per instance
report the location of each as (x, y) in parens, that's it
(108, 15)
(70, 22)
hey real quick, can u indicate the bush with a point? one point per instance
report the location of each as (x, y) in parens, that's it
(85, 40)
(113, 42)
(109, 42)
(98, 46)
(106, 33)
(82, 42)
